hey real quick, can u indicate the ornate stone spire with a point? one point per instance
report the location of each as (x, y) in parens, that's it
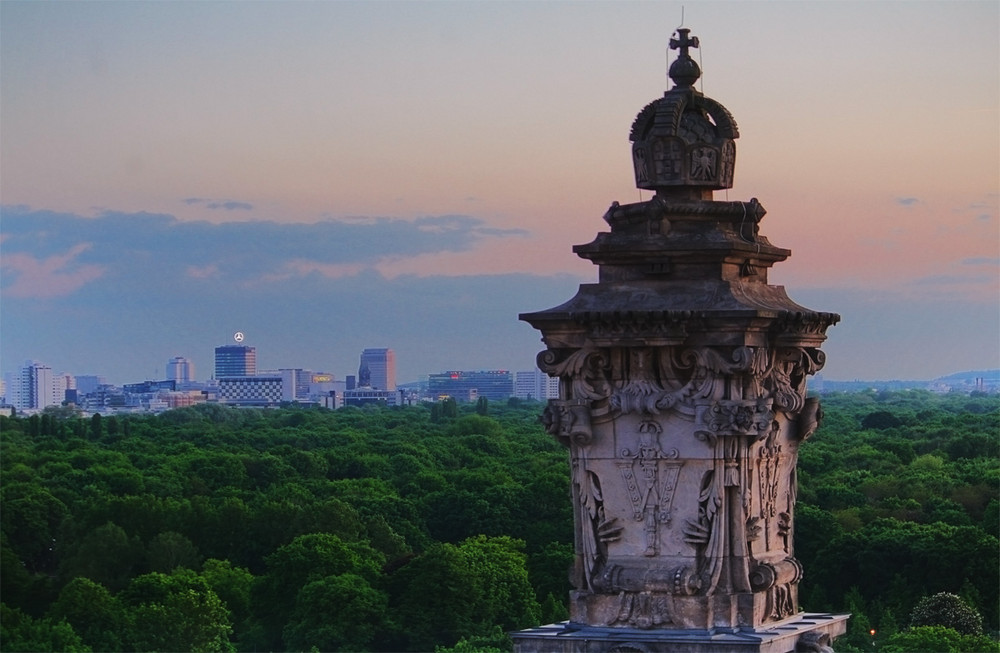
(683, 403)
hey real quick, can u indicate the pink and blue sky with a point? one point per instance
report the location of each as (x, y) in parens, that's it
(329, 176)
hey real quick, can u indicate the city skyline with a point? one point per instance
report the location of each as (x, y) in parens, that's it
(342, 376)
(36, 386)
(386, 374)
(328, 176)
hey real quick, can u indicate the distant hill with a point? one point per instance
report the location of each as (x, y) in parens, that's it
(988, 375)
(957, 382)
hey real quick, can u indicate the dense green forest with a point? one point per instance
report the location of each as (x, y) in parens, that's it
(444, 526)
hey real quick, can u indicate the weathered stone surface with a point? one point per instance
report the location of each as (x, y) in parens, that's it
(682, 405)
(804, 633)
(683, 468)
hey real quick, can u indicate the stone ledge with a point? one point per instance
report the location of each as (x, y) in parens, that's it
(781, 637)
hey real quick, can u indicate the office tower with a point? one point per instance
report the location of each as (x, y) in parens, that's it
(235, 360)
(378, 369)
(295, 383)
(180, 369)
(34, 387)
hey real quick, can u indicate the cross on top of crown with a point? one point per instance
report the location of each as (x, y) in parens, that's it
(682, 43)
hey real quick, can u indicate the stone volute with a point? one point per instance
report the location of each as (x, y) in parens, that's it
(683, 391)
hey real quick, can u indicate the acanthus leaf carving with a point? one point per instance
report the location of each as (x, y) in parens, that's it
(585, 369)
(810, 418)
(786, 377)
(642, 390)
(750, 418)
(568, 421)
(653, 380)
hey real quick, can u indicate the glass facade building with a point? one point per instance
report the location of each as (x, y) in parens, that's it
(235, 360)
(377, 369)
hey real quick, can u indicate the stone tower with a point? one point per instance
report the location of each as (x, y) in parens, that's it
(683, 404)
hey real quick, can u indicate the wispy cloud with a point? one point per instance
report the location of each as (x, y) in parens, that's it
(983, 210)
(228, 205)
(952, 280)
(202, 272)
(303, 268)
(44, 278)
(908, 201)
(143, 250)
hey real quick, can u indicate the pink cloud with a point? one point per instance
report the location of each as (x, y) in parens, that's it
(203, 272)
(55, 276)
(302, 267)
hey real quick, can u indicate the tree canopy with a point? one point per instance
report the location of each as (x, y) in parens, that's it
(441, 526)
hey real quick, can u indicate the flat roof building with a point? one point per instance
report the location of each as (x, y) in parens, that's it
(536, 384)
(497, 385)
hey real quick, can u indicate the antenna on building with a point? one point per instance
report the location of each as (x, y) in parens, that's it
(701, 64)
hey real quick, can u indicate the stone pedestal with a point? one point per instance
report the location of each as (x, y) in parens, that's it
(803, 633)
(682, 405)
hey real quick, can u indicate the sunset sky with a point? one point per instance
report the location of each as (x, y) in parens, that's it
(329, 176)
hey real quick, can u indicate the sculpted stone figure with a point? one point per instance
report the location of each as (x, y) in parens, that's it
(683, 397)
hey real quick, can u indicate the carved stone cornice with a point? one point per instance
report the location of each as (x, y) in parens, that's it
(673, 312)
(695, 382)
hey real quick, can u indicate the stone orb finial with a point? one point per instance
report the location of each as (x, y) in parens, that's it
(684, 71)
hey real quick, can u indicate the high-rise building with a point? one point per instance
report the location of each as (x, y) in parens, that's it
(35, 387)
(235, 360)
(180, 369)
(536, 384)
(377, 369)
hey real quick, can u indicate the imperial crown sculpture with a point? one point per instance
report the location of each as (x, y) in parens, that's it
(683, 404)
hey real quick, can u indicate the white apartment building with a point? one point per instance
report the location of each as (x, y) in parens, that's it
(535, 384)
(35, 387)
